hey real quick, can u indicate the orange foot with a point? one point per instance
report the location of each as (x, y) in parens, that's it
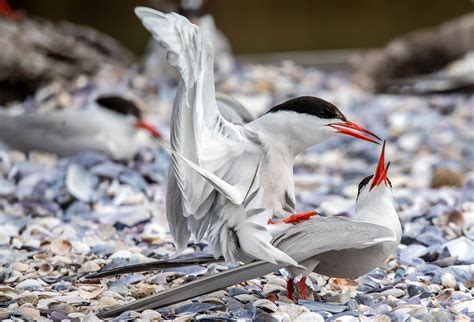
(295, 219)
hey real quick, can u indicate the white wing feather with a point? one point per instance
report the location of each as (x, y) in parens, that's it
(215, 163)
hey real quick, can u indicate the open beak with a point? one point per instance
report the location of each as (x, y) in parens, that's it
(353, 129)
(381, 171)
(149, 128)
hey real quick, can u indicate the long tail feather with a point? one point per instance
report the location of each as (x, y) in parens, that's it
(196, 288)
(153, 266)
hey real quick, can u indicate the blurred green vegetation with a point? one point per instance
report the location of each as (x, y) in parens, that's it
(269, 25)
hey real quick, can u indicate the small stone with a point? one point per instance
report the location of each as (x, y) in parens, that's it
(411, 309)
(20, 267)
(341, 298)
(89, 267)
(448, 280)
(58, 316)
(30, 284)
(395, 292)
(433, 288)
(414, 290)
(45, 269)
(272, 297)
(142, 290)
(61, 247)
(446, 177)
(150, 315)
(5, 298)
(76, 315)
(29, 313)
(4, 314)
(341, 284)
(30, 298)
(309, 316)
(43, 304)
(456, 217)
(106, 301)
(61, 307)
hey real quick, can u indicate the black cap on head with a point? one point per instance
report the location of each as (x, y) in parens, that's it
(119, 105)
(312, 106)
(366, 180)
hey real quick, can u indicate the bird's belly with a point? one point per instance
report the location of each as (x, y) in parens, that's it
(352, 263)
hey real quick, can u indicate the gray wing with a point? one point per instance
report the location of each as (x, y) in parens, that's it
(325, 234)
(198, 131)
(232, 110)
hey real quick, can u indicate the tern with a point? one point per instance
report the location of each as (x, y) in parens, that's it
(332, 246)
(111, 125)
(254, 160)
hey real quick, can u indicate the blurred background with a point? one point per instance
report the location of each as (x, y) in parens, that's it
(268, 25)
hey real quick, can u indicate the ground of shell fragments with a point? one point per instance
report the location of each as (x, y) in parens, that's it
(61, 219)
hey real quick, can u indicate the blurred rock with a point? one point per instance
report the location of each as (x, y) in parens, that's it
(446, 177)
(419, 52)
(44, 51)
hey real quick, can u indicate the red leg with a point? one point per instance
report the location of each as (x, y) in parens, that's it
(289, 288)
(295, 219)
(303, 287)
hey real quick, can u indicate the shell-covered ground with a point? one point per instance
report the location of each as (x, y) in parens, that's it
(61, 219)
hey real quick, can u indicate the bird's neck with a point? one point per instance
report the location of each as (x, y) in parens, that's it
(294, 131)
(379, 210)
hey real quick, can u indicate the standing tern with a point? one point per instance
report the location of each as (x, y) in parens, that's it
(255, 159)
(333, 246)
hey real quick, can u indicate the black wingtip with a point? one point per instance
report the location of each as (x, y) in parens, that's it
(153, 266)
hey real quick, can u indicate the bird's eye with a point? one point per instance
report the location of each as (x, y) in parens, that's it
(389, 183)
(363, 183)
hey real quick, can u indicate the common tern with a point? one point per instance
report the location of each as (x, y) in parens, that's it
(332, 246)
(111, 125)
(255, 160)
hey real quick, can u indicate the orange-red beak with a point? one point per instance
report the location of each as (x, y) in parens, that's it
(381, 171)
(149, 128)
(353, 129)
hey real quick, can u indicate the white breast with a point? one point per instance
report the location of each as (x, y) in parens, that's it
(277, 182)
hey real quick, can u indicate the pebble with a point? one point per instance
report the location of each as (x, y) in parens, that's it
(30, 284)
(395, 292)
(89, 267)
(444, 177)
(448, 280)
(31, 314)
(60, 247)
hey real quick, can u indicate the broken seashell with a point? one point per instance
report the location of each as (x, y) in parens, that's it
(60, 247)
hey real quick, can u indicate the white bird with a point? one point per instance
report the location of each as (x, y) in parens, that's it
(348, 256)
(255, 159)
(112, 125)
(333, 246)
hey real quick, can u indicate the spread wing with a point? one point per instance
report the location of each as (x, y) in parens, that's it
(330, 233)
(199, 133)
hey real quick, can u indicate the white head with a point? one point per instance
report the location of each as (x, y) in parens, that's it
(374, 200)
(306, 121)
